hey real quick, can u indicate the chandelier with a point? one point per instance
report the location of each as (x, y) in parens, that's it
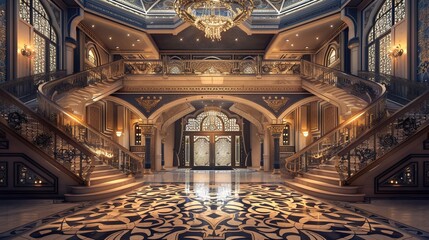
(214, 16)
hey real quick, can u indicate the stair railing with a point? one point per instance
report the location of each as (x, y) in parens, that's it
(398, 89)
(46, 137)
(329, 144)
(106, 149)
(368, 150)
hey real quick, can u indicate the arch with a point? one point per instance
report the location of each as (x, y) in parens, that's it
(172, 119)
(234, 108)
(127, 105)
(298, 104)
(92, 48)
(332, 55)
(154, 116)
(74, 23)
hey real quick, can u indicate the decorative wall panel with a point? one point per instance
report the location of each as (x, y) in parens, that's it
(423, 43)
(201, 150)
(223, 150)
(3, 47)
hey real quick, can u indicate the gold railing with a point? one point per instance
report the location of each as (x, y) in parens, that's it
(330, 143)
(370, 148)
(46, 137)
(107, 150)
(212, 67)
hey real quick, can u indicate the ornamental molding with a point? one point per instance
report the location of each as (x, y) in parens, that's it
(275, 103)
(276, 129)
(147, 130)
(274, 89)
(148, 103)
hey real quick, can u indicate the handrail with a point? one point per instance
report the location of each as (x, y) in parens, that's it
(398, 89)
(382, 138)
(325, 147)
(46, 136)
(109, 151)
(25, 88)
(216, 67)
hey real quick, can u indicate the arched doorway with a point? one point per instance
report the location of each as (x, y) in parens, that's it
(212, 140)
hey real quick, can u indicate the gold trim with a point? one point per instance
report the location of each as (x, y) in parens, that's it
(275, 103)
(148, 103)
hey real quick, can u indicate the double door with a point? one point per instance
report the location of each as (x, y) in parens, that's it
(214, 150)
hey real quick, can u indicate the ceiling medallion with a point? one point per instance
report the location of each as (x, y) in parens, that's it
(275, 103)
(214, 16)
(148, 103)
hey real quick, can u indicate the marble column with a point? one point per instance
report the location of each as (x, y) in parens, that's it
(147, 131)
(354, 55)
(162, 153)
(276, 131)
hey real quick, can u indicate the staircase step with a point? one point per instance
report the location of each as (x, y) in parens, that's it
(102, 186)
(103, 194)
(319, 193)
(102, 167)
(102, 179)
(326, 186)
(324, 172)
(330, 180)
(106, 172)
(327, 167)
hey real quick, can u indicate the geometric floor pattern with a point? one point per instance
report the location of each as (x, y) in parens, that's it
(215, 211)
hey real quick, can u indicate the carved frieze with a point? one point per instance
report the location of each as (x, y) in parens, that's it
(148, 102)
(275, 103)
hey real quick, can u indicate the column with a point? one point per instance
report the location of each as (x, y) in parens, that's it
(276, 131)
(70, 47)
(147, 131)
(162, 152)
(354, 55)
(261, 161)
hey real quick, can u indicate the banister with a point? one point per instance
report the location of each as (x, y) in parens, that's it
(349, 128)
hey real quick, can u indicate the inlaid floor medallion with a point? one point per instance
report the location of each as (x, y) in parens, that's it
(221, 211)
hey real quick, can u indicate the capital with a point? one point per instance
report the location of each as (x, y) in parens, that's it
(276, 129)
(147, 130)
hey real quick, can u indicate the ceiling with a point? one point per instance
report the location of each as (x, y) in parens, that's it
(193, 39)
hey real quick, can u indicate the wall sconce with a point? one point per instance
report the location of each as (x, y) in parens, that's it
(305, 133)
(26, 51)
(118, 133)
(396, 52)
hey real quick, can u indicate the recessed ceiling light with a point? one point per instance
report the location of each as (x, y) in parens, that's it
(198, 39)
(317, 38)
(117, 47)
(93, 25)
(128, 35)
(291, 45)
(306, 47)
(212, 40)
(110, 38)
(138, 40)
(181, 39)
(332, 26)
(297, 35)
(133, 45)
(236, 39)
(287, 40)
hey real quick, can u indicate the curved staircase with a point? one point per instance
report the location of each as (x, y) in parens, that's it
(106, 182)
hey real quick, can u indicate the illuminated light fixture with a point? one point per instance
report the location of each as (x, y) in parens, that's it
(26, 51)
(214, 16)
(305, 133)
(118, 133)
(396, 52)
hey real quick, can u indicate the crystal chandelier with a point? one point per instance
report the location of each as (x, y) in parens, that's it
(214, 16)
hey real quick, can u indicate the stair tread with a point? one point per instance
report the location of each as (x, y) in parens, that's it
(323, 191)
(103, 184)
(130, 185)
(325, 184)
(324, 170)
(325, 177)
(108, 176)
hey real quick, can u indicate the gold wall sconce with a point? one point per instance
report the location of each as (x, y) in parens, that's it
(305, 133)
(26, 51)
(396, 52)
(118, 133)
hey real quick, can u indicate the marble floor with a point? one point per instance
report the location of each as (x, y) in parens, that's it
(241, 204)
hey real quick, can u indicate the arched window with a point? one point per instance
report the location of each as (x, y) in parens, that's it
(93, 57)
(331, 56)
(45, 39)
(379, 37)
(212, 121)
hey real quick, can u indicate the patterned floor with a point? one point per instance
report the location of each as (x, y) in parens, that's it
(221, 211)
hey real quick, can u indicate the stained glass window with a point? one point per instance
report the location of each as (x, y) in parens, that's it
(45, 38)
(379, 37)
(3, 48)
(212, 121)
(331, 56)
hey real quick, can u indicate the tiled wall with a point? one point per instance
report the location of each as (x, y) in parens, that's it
(423, 43)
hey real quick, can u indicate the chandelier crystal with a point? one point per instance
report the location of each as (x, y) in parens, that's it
(214, 16)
